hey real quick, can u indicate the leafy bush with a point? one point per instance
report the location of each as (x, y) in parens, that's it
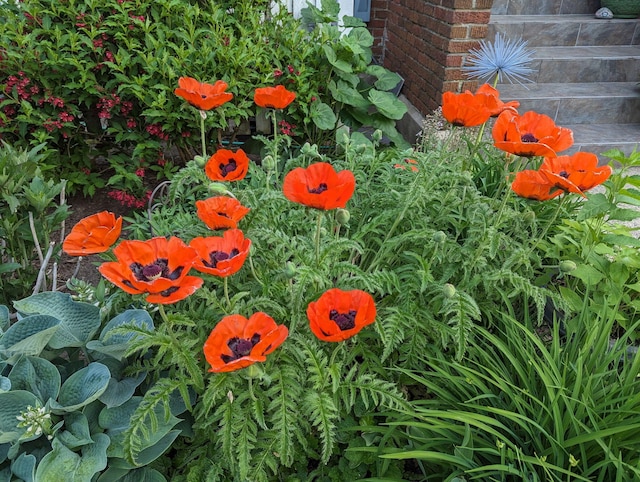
(29, 215)
(94, 80)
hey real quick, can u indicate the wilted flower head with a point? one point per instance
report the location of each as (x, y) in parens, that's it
(500, 60)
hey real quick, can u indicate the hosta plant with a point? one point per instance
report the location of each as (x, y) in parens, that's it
(67, 393)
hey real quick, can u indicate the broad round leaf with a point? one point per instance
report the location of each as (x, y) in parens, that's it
(36, 375)
(323, 116)
(388, 104)
(61, 464)
(82, 388)
(78, 321)
(29, 336)
(12, 404)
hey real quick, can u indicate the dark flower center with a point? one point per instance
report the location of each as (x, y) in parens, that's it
(529, 138)
(216, 256)
(564, 174)
(318, 190)
(345, 321)
(228, 167)
(152, 271)
(240, 347)
(224, 215)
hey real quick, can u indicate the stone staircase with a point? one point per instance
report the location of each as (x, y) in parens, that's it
(587, 70)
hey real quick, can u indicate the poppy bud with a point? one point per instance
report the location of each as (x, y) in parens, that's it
(361, 149)
(290, 270)
(217, 188)
(567, 266)
(200, 161)
(344, 137)
(254, 371)
(449, 290)
(439, 237)
(377, 135)
(269, 163)
(529, 216)
(342, 216)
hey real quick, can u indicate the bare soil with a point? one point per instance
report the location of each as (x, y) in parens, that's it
(81, 207)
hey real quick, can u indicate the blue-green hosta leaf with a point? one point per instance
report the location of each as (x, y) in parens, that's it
(78, 321)
(82, 388)
(144, 474)
(61, 464)
(12, 404)
(116, 422)
(119, 392)
(76, 431)
(388, 104)
(5, 384)
(36, 375)
(386, 80)
(115, 345)
(29, 336)
(323, 116)
(24, 467)
(4, 319)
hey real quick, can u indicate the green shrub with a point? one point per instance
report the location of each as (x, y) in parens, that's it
(29, 215)
(95, 80)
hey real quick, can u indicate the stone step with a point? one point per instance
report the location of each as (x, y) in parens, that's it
(599, 138)
(544, 7)
(565, 30)
(620, 63)
(578, 103)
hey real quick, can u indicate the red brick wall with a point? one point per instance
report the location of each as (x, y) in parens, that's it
(426, 41)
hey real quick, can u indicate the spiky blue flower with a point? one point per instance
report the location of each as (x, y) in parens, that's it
(502, 59)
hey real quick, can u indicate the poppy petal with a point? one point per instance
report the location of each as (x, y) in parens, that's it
(227, 165)
(93, 234)
(338, 315)
(277, 97)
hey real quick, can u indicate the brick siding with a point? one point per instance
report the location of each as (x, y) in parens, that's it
(426, 42)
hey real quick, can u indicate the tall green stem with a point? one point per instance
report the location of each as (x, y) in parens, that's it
(203, 116)
(276, 141)
(225, 284)
(317, 239)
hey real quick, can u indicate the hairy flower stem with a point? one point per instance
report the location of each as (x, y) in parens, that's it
(163, 314)
(225, 284)
(276, 141)
(317, 238)
(203, 116)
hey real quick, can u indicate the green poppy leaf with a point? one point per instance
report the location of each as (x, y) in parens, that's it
(82, 388)
(388, 104)
(78, 321)
(116, 345)
(63, 464)
(36, 375)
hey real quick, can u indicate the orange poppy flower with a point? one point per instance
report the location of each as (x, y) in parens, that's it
(576, 173)
(534, 185)
(410, 163)
(491, 99)
(530, 134)
(465, 109)
(237, 342)
(93, 234)
(275, 97)
(221, 255)
(158, 267)
(221, 212)
(338, 315)
(201, 95)
(319, 186)
(226, 165)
